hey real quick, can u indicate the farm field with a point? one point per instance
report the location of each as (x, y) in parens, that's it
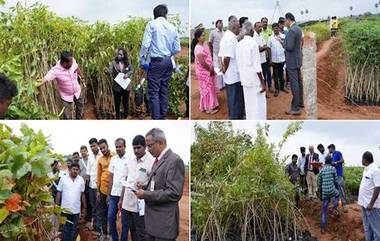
(33, 37)
(240, 190)
(347, 75)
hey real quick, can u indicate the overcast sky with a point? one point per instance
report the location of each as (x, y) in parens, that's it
(112, 11)
(351, 138)
(67, 136)
(207, 11)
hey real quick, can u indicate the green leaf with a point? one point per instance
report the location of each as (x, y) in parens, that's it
(5, 194)
(23, 170)
(3, 214)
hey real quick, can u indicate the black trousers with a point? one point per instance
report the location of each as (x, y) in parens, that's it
(278, 75)
(101, 212)
(119, 97)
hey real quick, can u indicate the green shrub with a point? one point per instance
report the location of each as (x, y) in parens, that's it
(239, 186)
(32, 38)
(322, 31)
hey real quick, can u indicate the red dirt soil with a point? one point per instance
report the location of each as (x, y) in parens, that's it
(184, 205)
(331, 92)
(345, 227)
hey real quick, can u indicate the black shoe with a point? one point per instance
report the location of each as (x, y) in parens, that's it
(276, 93)
(284, 90)
(293, 112)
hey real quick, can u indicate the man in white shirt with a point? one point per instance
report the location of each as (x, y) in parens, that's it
(214, 44)
(118, 173)
(249, 66)
(277, 59)
(263, 48)
(71, 189)
(83, 162)
(227, 53)
(369, 198)
(323, 155)
(132, 209)
(301, 166)
(91, 173)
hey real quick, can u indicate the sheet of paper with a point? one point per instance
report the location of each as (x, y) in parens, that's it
(141, 205)
(173, 62)
(218, 72)
(121, 81)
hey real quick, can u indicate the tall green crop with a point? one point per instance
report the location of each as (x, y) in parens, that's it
(239, 186)
(34, 36)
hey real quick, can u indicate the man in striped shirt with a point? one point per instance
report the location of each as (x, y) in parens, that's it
(328, 190)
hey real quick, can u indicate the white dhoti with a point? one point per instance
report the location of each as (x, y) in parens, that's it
(255, 103)
(219, 78)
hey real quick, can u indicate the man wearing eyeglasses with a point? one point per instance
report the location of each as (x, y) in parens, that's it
(163, 190)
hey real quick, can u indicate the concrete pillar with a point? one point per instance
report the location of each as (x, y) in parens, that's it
(309, 75)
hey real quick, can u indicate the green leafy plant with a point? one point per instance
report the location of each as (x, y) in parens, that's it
(352, 179)
(322, 31)
(361, 44)
(30, 43)
(239, 187)
(26, 204)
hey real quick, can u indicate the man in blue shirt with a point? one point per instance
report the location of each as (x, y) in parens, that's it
(160, 43)
(337, 162)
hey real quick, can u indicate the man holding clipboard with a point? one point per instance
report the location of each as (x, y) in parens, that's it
(132, 209)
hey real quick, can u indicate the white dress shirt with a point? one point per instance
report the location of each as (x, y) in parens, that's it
(248, 62)
(277, 50)
(370, 180)
(138, 171)
(118, 167)
(71, 193)
(261, 42)
(228, 49)
(92, 168)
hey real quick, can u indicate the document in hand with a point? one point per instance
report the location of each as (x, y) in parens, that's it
(121, 81)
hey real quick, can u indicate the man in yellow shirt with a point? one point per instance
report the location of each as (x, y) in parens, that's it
(102, 183)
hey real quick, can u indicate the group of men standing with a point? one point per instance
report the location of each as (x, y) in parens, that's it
(245, 55)
(145, 189)
(305, 170)
(323, 174)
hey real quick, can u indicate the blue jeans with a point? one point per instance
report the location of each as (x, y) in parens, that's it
(112, 215)
(342, 192)
(371, 222)
(70, 227)
(235, 101)
(159, 74)
(325, 207)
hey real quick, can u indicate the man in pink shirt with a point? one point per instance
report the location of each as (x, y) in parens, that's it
(66, 73)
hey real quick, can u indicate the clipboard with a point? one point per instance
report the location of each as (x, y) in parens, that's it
(121, 81)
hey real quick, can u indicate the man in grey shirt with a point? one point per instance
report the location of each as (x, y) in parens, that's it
(214, 44)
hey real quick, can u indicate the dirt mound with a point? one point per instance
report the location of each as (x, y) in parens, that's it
(331, 74)
(347, 226)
